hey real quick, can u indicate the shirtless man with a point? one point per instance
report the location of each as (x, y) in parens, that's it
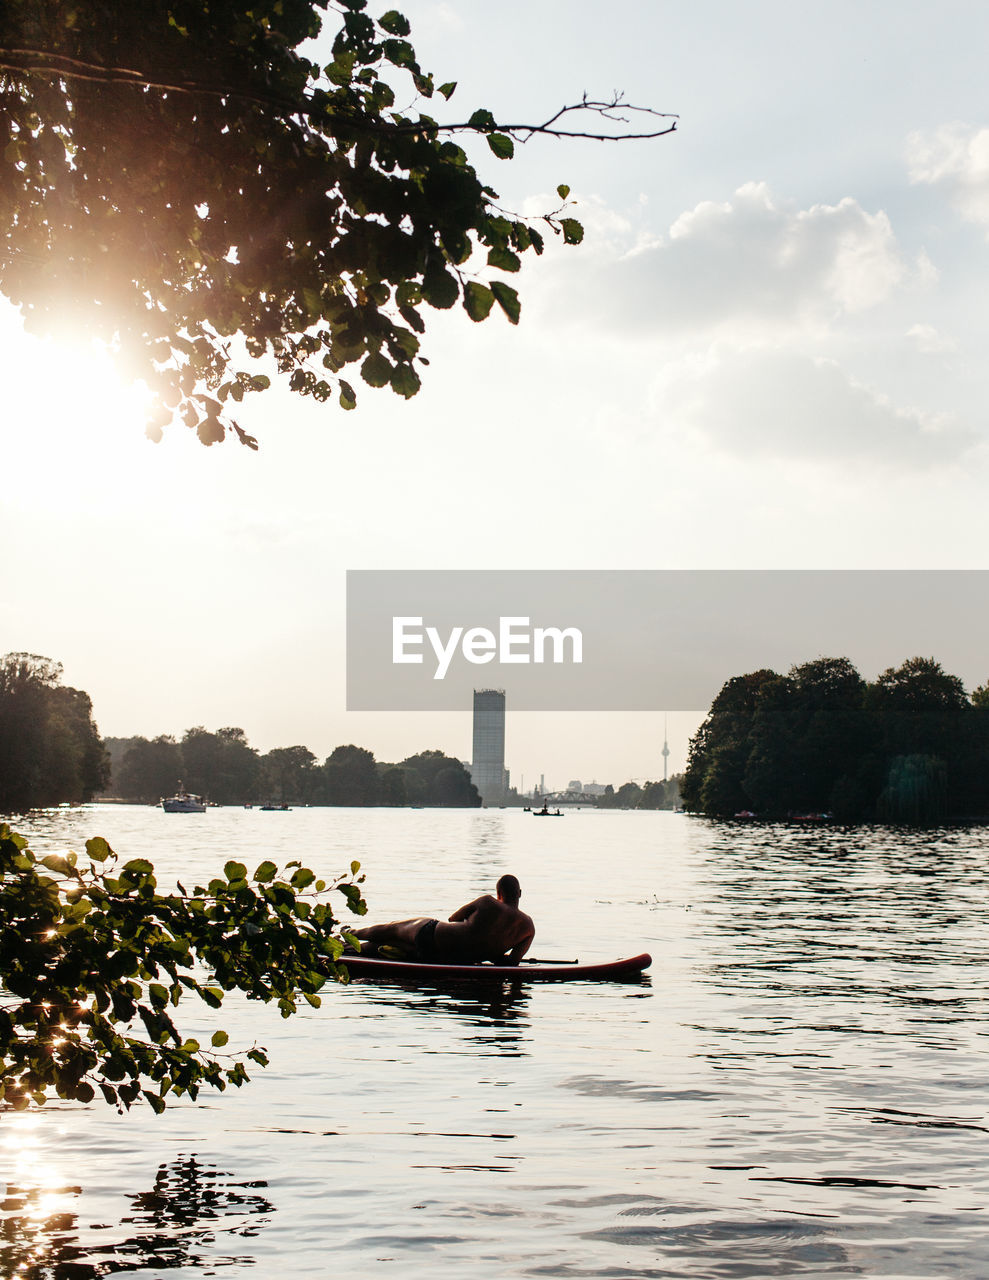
(485, 929)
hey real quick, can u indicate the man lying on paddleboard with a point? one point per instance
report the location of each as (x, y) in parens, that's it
(486, 929)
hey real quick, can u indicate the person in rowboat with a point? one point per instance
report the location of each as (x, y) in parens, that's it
(486, 929)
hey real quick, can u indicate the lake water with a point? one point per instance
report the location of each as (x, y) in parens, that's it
(800, 1088)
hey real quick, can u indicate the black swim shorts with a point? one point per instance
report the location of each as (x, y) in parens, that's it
(425, 941)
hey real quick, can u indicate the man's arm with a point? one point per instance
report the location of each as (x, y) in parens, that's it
(518, 951)
(468, 909)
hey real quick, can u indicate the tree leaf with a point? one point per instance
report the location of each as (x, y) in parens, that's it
(210, 430)
(508, 300)
(98, 849)
(503, 259)
(502, 145)
(478, 300)
(137, 868)
(394, 23)
(405, 381)
(573, 232)
(376, 370)
(439, 288)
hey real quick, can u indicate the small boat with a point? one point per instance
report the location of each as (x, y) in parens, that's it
(377, 969)
(545, 813)
(275, 808)
(184, 802)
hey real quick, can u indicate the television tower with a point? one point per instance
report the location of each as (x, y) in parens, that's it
(666, 750)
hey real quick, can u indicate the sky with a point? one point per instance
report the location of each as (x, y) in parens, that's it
(768, 353)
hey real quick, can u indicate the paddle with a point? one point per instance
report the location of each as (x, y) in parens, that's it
(533, 960)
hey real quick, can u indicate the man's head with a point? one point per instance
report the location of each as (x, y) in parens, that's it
(509, 890)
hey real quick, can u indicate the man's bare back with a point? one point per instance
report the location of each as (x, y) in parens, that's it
(488, 928)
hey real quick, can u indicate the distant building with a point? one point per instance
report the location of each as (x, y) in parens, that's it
(487, 769)
(594, 788)
(575, 785)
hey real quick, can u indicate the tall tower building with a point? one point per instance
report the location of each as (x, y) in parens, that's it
(488, 760)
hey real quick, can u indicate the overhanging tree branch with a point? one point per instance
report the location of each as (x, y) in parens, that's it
(176, 173)
(45, 63)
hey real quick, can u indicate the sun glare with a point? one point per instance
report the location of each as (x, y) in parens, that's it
(70, 427)
(35, 1198)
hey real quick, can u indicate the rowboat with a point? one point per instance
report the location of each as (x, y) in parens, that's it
(378, 969)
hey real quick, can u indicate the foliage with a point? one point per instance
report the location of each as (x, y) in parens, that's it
(909, 747)
(350, 777)
(221, 765)
(94, 959)
(176, 173)
(719, 750)
(661, 795)
(918, 707)
(916, 790)
(452, 788)
(50, 748)
(288, 775)
(442, 780)
(628, 796)
(226, 769)
(150, 770)
(392, 785)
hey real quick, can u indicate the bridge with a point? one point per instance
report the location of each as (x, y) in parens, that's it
(563, 797)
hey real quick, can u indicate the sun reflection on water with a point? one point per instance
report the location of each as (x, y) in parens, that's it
(34, 1206)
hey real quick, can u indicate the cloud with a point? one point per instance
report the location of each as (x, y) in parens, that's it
(763, 329)
(779, 403)
(929, 342)
(751, 266)
(955, 157)
(443, 16)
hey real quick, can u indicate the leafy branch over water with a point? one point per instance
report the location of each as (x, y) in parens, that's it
(91, 954)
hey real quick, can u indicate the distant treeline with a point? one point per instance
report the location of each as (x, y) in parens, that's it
(51, 753)
(50, 748)
(910, 747)
(226, 769)
(651, 795)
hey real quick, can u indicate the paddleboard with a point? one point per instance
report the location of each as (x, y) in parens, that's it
(377, 969)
